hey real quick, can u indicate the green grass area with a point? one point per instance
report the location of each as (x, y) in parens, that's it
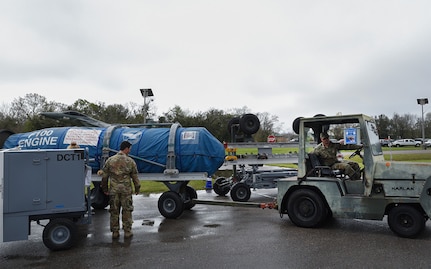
(422, 157)
(243, 151)
(148, 187)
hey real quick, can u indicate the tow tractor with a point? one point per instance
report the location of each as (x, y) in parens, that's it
(399, 190)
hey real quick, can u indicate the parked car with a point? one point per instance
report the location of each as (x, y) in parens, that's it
(427, 143)
(420, 140)
(406, 142)
(386, 142)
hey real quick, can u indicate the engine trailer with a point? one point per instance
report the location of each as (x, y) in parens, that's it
(40, 185)
(50, 184)
(173, 155)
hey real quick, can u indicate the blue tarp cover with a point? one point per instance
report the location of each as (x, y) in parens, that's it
(196, 149)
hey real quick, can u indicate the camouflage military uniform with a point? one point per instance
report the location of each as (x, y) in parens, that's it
(328, 157)
(120, 168)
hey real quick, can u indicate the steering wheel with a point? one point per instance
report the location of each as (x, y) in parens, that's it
(357, 152)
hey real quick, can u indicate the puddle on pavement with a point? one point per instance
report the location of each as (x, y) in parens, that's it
(165, 231)
(151, 224)
(148, 222)
(211, 225)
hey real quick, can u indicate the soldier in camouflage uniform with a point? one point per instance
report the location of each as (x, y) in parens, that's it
(327, 153)
(120, 169)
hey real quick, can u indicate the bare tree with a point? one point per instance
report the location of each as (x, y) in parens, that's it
(25, 110)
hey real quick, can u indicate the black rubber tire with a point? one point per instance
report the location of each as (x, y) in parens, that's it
(240, 192)
(406, 221)
(221, 186)
(249, 124)
(190, 195)
(233, 126)
(295, 125)
(98, 199)
(170, 205)
(306, 208)
(4, 134)
(323, 128)
(59, 234)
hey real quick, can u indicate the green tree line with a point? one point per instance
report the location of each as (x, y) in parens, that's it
(23, 115)
(403, 126)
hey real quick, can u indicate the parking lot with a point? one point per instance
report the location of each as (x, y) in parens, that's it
(209, 236)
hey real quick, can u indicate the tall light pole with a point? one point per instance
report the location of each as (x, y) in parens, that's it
(146, 93)
(422, 102)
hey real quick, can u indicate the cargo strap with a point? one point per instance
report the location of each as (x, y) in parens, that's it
(106, 140)
(171, 158)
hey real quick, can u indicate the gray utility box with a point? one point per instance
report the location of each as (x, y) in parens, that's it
(40, 184)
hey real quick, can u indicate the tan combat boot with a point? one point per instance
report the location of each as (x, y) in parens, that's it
(128, 234)
(115, 235)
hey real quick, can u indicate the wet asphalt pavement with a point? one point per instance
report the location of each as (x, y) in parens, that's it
(209, 236)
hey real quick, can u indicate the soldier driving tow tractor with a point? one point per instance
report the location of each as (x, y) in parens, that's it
(326, 151)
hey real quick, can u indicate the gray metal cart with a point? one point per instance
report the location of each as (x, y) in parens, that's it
(43, 185)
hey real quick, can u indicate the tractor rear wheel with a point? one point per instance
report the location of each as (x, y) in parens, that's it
(406, 221)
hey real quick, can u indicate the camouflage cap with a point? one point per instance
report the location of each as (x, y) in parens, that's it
(324, 135)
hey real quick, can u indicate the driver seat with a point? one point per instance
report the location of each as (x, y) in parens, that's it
(319, 170)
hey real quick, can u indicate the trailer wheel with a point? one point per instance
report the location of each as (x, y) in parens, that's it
(240, 192)
(233, 126)
(4, 134)
(221, 186)
(190, 194)
(171, 205)
(59, 234)
(249, 124)
(306, 208)
(406, 221)
(295, 125)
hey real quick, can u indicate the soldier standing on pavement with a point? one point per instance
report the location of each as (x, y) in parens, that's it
(327, 153)
(121, 170)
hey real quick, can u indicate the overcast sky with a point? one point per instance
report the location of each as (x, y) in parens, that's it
(288, 58)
